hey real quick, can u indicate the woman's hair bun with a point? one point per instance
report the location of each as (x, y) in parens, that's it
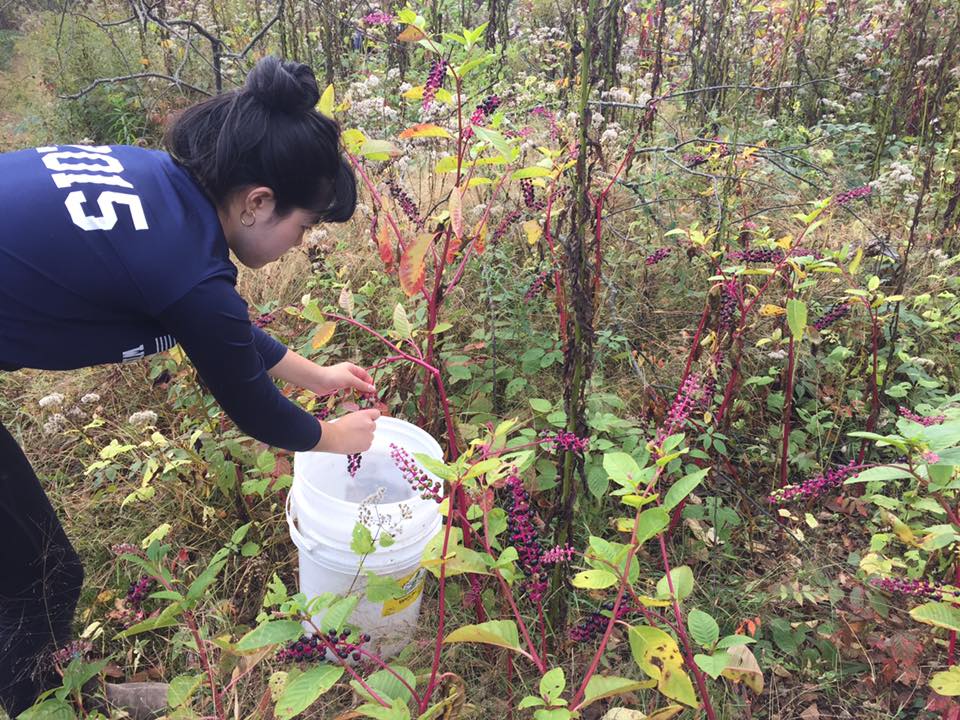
(286, 86)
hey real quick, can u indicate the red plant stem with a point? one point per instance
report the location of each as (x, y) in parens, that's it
(951, 655)
(441, 610)
(682, 633)
(379, 661)
(696, 342)
(787, 410)
(346, 666)
(205, 663)
(874, 382)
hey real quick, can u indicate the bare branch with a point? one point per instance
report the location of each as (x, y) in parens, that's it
(136, 76)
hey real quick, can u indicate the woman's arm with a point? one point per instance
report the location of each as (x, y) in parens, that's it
(301, 372)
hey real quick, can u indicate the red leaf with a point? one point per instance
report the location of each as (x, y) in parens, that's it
(412, 266)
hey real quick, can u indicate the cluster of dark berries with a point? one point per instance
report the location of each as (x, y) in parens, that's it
(264, 320)
(125, 549)
(757, 256)
(353, 464)
(73, 649)
(917, 588)
(508, 220)
(415, 477)
(925, 421)
(853, 194)
(434, 81)
(529, 199)
(816, 486)
(595, 623)
(537, 285)
(567, 441)
(710, 382)
(323, 413)
(525, 538)
(721, 147)
(311, 647)
(833, 314)
(405, 202)
(689, 396)
(484, 110)
(139, 590)
(691, 160)
(657, 255)
(728, 306)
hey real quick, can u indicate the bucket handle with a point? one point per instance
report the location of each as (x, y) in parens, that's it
(295, 531)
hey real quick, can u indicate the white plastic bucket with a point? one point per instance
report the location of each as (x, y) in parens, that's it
(323, 507)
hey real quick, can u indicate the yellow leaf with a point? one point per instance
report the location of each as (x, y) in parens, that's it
(414, 93)
(900, 528)
(772, 310)
(412, 34)
(327, 101)
(533, 230)
(412, 266)
(743, 667)
(323, 334)
(785, 242)
(424, 130)
(855, 264)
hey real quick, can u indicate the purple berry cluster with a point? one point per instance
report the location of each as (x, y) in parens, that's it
(353, 464)
(73, 649)
(757, 256)
(323, 413)
(916, 588)
(434, 80)
(853, 194)
(484, 110)
(138, 591)
(405, 202)
(264, 319)
(537, 285)
(689, 396)
(525, 538)
(816, 486)
(596, 622)
(925, 421)
(567, 441)
(728, 306)
(692, 160)
(508, 220)
(529, 198)
(378, 18)
(125, 549)
(417, 479)
(657, 255)
(540, 111)
(834, 313)
(558, 554)
(311, 647)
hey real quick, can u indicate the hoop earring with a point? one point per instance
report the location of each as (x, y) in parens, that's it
(253, 219)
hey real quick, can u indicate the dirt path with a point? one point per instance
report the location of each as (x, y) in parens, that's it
(24, 101)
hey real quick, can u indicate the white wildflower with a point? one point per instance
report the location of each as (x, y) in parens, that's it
(55, 424)
(143, 417)
(90, 398)
(51, 400)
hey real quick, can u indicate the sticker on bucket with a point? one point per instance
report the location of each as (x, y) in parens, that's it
(412, 587)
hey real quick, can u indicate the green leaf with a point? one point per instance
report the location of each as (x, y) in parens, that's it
(937, 614)
(182, 689)
(273, 632)
(381, 588)
(552, 714)
(386, 684)
(876, 474)
(336, 617)
(947, 682)
(51, 709)
(362, 543)
(682, 578)
(733, 640)
(541, 405)
(658, 655)
(530, 172)
(495, 139)
(651, 523)
(502, 633)
(873, 283)
(530, 701)
(683, 487)
(594, 579)
(305, 689)
(796, 317)
(704, 629)
(552, 684)
(622, 469)
(166, 618)
(713, 665)
(401, 324)
(604, 686)
(379, 150)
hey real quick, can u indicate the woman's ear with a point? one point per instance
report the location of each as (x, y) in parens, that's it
(260, 200)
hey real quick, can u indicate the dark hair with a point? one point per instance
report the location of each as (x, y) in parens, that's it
(268, 133)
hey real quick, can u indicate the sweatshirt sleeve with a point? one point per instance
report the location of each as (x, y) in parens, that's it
(212, 325)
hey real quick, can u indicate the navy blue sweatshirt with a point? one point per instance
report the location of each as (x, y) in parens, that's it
(109, 254)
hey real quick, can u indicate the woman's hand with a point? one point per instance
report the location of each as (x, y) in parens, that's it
(344, 376)
(352, 433)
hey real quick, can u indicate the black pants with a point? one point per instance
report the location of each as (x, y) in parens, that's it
(40, 580)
